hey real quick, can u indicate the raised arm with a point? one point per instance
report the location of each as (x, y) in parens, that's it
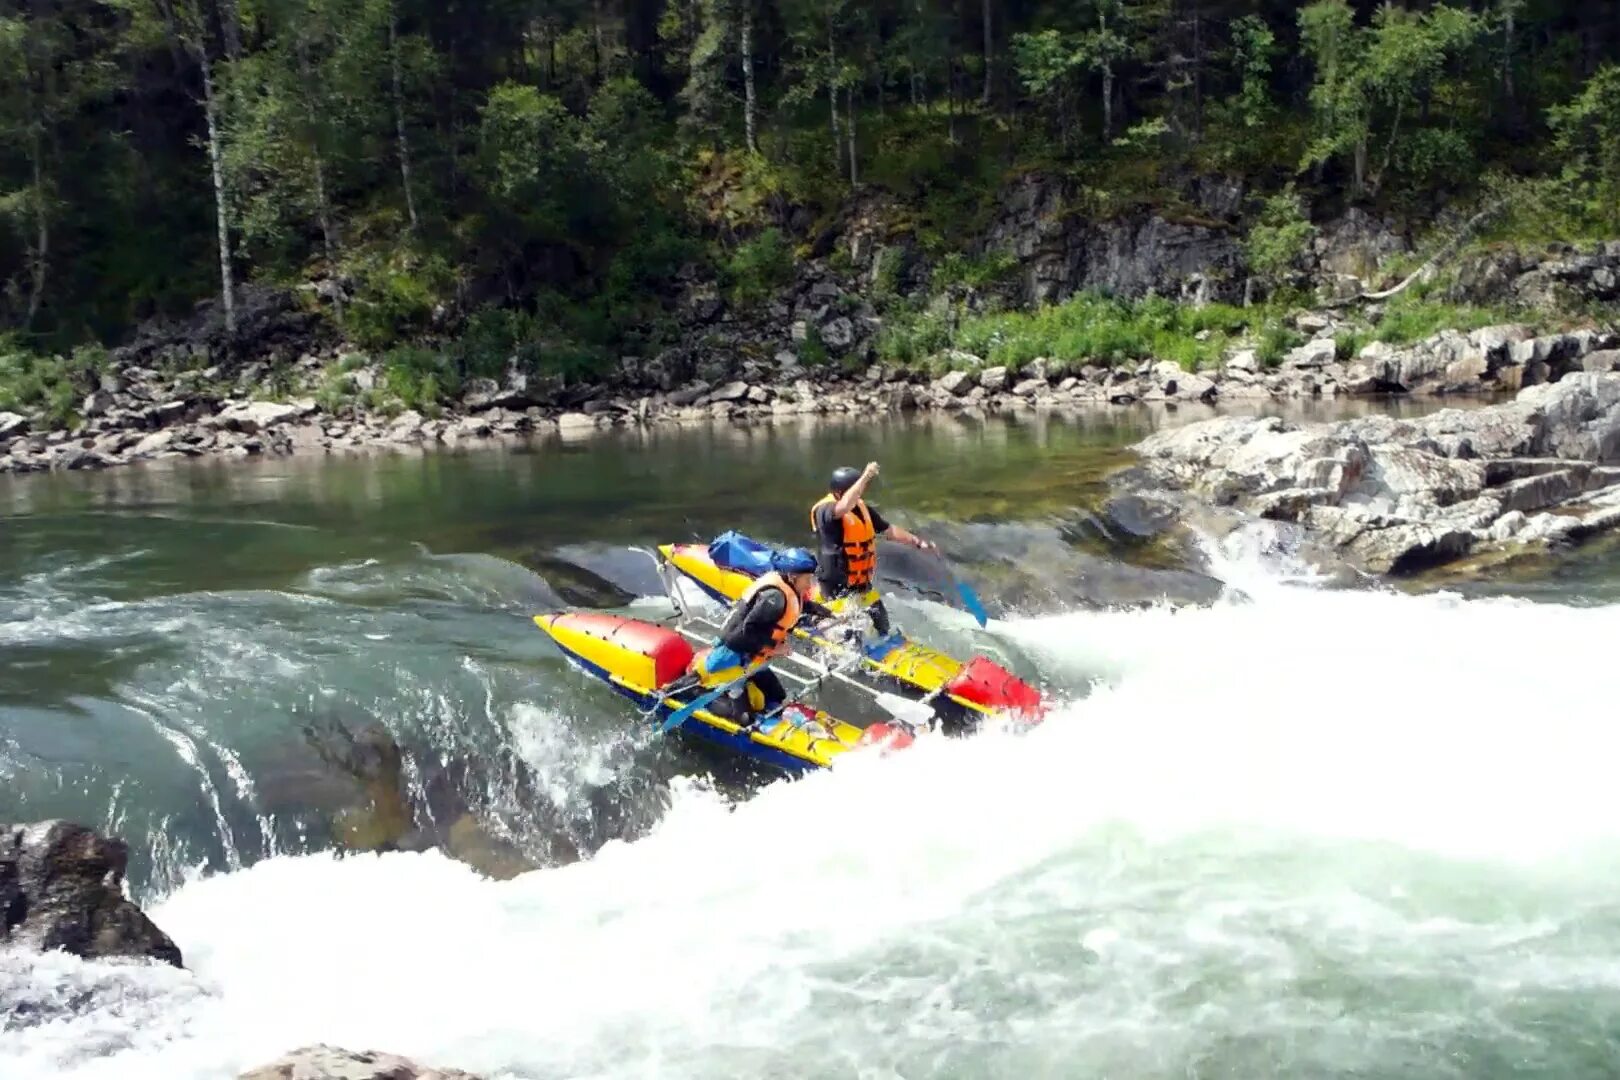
(846, 502)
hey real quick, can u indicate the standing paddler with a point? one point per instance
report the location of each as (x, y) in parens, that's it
(848, 530)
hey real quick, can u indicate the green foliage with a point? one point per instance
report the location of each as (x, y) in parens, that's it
(421, 379)
(987, 271)
(396, 298)
(758, 268)
(1279, 237)
(567, 160)
(1253, 45)
(1274, 340)
(1587, 133)
(1087, 329)
(53, 386)
(1375, 87)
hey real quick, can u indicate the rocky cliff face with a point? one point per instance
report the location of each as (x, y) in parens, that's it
(1061, 252)
(1393, 496)
(61, 887)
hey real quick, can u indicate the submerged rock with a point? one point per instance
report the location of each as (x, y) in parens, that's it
(331, 1063)
(61, 887)
(1394, 496)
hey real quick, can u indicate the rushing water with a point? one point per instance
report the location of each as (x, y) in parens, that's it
(1288, 832)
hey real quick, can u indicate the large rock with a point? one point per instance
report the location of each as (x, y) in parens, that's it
(956, 383)
(12, 424)
(61, 887)
(252, 417)
(994, 379)
(838, 335)
(1394, 496)
(330, 1063)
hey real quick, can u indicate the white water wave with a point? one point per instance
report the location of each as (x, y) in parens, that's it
(1304, 833)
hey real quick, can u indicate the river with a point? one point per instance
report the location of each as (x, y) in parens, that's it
(1283, 830)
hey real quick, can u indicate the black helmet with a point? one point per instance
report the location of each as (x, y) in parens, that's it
(843, 479)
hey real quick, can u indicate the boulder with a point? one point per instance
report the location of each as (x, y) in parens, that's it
(736, 390)
(1604, 360)
(1313, 354)
(331, 1063)
(251, 417)
(956, 383)
(838, 335)
(12, 424)
(1244, 360)
(994, 379)
(1394, 496)
(61, 887)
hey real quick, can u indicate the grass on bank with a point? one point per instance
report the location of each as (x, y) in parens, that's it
(1105, 331)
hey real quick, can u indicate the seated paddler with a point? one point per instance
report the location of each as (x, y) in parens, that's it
(847, 529)
(757, 631)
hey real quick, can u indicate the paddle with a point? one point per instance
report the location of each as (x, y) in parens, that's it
(684, 713)
(970, 599)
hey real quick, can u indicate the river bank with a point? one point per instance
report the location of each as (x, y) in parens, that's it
(141, 414)
(286, 381)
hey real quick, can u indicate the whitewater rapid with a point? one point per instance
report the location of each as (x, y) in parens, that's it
(1301, 832)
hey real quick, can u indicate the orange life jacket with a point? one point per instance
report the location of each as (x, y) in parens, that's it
(784, 626)
(858, 555)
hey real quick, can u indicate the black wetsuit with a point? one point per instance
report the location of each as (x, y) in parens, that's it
(833, 568)
(749, 628)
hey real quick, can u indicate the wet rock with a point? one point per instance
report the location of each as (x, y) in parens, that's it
(1244, 360)
(1313, 354)
(1398, 496)
(330, 1063)
(838, 335)
(252, 417)
(61, 887)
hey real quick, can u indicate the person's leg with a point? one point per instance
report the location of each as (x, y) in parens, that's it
(880, 616)
(771, 690)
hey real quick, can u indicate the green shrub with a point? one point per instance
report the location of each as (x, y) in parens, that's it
(420, 378)
(975, 271)
(395, 299)
(1279, 237)
(759, 268)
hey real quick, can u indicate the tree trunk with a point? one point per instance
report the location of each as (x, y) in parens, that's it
(230, 25)
(832, 96)
(989, 55)
(399, 118)
(1108, 101)
(1507, 48)
(849, 115)
(227, 285)
(1198, 71)
(596, 42)
(1361, 165)
(39, 257)
(1107, 78)
(749, 101)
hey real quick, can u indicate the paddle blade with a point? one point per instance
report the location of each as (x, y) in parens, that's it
(914, 713)
(970, 600)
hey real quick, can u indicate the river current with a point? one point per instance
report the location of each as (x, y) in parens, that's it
(1272, 828)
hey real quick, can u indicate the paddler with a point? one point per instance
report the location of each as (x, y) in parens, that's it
(848, 530)
(757, 631)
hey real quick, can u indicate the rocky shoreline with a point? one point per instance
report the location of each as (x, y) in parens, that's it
(139, 413)
(1387, 496)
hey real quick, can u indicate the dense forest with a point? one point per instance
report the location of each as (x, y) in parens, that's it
(564, 159)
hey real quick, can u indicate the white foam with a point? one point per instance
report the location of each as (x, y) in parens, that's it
(1008, 903)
